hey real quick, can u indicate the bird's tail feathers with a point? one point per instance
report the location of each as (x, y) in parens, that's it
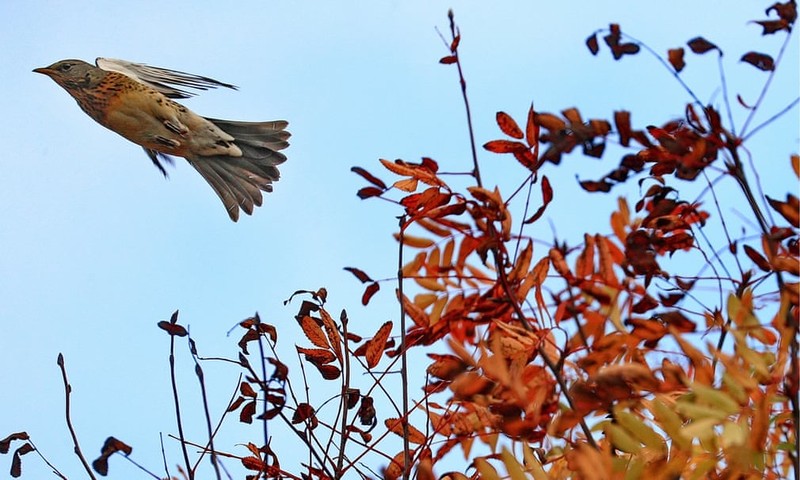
(239, 181)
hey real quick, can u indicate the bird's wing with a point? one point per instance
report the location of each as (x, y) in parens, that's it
(164, 80)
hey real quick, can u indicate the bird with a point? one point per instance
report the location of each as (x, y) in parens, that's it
(238, 159)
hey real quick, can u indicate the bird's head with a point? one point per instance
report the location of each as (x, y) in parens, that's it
(73, 74)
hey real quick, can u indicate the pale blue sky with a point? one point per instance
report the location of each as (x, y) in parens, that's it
(96, 247)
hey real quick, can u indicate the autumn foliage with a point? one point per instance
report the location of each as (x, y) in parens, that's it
(599, 358)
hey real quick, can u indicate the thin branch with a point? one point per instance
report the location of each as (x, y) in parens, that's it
(771, 119)
(666, 65)
(175, 397)
(68, 392)
(403, 346)
(201, 379)
(454, 33)
(765, 88)
(45, 460)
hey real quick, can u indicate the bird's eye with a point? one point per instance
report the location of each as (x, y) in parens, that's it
(66, 67)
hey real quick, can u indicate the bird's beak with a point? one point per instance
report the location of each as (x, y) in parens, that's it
(43, 71)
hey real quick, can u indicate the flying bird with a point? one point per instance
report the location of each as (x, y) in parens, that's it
(135, 100)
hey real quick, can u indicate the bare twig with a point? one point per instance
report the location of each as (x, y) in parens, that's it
(201, 379)
(173, 379)
(68, 392)
(404, 347)
(45, 460)
(765, 88)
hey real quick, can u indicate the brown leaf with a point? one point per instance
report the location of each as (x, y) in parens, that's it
(395, 425)
(369, 177)
(317, 356)
(303, 412)
(369, 192)
(377, 344)
(173, 328)
(675, 56)
(761, 61)
(790, 209)
(700, 45)
(329, 372)
(772, 26)
(595, 186)
(247, 412)
(371, 290)
(786, 11)
(332, 331)
(448, 59)
(508, 125)
(445, 367)
(591, 44)
(5, 443)
(757, 258)
(16, 461)
(247, 390)
(360, 275)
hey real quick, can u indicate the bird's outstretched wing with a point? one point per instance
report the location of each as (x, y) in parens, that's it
(164, 80)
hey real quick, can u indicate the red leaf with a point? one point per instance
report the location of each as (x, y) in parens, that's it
(172, 328)
(700, 45)
(448, 59)
(505, 146)
(786, 11)
(304, 412)
(369, 177)
(532, 128)
(360, 275)
(622, 120)
(675, 56)
(757, 258)
(508, 125)
(371, 290)
(368, 192)
(591, 44)
(761, 61)
(547, 197)
(594, 186)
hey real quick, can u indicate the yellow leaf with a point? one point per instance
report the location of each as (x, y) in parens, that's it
(733, 435)
(486, 470)
(513, 467)
(698, 412)
(621, 439)
(534, 466)
(670, 422)
(640, 430)
(701, 429)
(716, 398)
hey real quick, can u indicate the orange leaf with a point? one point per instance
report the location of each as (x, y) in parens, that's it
(395, 425)
(448, 59)
(508, 125)
(675, 56)
(314, 332)
(547, 197)
(757, 258)
(369, 177)
(505, 146)
(377, 344)
(790, 209)
(332, 332)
